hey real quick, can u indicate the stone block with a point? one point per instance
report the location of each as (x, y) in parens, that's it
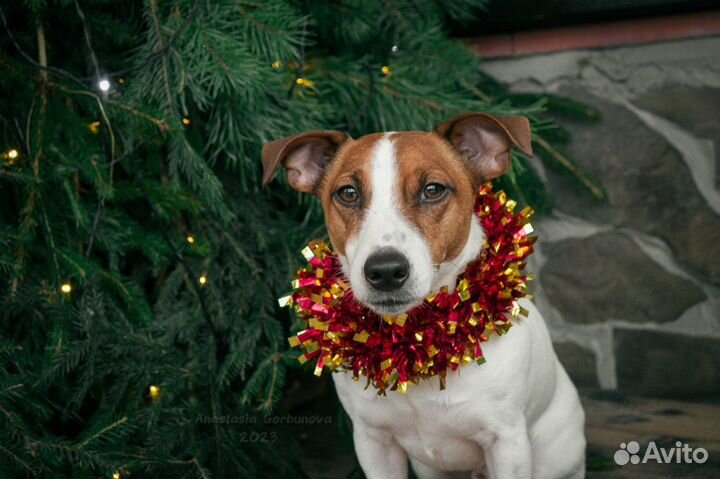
(607, 276)
(669, 365)
(696, 110)
(579, 364)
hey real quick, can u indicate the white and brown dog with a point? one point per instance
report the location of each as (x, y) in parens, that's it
(399, 212)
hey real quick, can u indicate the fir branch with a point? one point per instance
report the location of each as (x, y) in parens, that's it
(88, 41)
(301, 60)
(28, 124)
(93, 230)
(70, 453)
(201, 470)
(597, 192)
(111, 162)
(476, 91)
(163, 59)
(216, 431)
(398, 15)
(27, 221)
(12, 388)
(101, 108)
(101, 203)
(108, 124)
(160, 123)
(220, 343)
(42, 58)
(10, 418)
(270, 399)
(355, 122)
(260, 25)
(39, 65)
(249, 261)
(50, 240)
(103, 431)
(161, 52)
(430, 104)
(17, 459)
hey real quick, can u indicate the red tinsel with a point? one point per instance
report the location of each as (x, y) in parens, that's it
(444, 332)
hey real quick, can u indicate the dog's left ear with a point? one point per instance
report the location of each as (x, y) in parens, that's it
(485, 140)
(304, 157)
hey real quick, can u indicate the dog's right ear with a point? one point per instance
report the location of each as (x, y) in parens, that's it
(484, 141)
(304, 157)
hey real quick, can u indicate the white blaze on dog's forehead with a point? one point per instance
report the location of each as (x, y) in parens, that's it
(385, 224)
(383, 180)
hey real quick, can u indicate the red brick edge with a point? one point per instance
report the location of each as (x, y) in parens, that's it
(596, 35)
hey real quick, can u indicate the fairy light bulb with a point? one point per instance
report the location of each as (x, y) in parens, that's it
(305, 82)
(190, 239)
(13, 154)
(104, 85)
(202, 280)
(154, 392)
(66, 288)
(186, 121)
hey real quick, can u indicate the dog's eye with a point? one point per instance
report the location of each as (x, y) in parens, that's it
(347, 194)
(433, 192)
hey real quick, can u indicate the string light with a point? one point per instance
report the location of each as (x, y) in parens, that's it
(305, 82)
(202, 280)
(11, 156)
(386, 70)
(104, 84)
(121, 81)
(66, 288)
(94, 127)
(394, 49)
(185, 121)
(190, 239)
(116, 475)
(276, 64)
(154, 392)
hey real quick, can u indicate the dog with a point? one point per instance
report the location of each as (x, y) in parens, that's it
(399, 213)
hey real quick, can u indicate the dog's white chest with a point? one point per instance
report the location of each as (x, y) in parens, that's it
(427, 423)
(440, 440)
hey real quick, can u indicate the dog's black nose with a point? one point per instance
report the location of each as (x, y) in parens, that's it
(386, 270)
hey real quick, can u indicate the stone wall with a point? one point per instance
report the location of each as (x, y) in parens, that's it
(631, 287)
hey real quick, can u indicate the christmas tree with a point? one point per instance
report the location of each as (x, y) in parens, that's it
(141, 262)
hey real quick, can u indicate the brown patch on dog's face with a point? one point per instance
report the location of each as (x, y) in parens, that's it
(426, 159)
(350, 167)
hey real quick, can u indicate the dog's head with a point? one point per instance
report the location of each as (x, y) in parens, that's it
(399, 206)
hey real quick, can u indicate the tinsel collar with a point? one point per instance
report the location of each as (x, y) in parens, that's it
(444, 332)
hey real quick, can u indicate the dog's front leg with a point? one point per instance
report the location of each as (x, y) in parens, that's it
(380, 456)
(507, 453)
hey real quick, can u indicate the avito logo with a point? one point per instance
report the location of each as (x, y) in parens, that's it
(680, 454)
